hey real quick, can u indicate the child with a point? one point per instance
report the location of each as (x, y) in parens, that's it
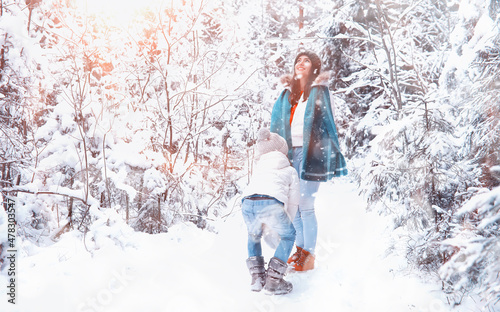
(271, 199)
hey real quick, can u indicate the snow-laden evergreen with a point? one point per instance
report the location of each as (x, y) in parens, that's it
(418, 79)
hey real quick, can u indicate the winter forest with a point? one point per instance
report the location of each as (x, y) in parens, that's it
(123, 117)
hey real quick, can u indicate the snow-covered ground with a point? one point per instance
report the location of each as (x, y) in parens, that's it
(188, 269)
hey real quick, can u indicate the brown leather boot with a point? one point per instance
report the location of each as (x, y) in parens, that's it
(293, 258)
(305, 262)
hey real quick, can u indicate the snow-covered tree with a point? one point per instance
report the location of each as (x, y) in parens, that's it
(147, 114)
(473, 266)
(420, 132)
(20, 98)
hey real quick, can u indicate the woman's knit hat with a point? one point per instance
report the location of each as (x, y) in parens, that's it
(270, 142)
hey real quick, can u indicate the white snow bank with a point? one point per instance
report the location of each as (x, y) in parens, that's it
(188, 269)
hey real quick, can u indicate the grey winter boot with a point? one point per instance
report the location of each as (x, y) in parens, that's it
(258, 271)
(275, 284)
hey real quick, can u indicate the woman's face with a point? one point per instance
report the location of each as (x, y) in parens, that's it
(303, 67)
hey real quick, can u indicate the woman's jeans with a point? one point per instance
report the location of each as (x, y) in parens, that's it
(305, 222)
(271, 212)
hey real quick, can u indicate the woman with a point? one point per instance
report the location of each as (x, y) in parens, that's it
(303, 116)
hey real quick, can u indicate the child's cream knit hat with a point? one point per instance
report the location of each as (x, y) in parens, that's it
(270, 142)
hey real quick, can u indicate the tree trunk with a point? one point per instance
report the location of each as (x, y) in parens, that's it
(126, 208)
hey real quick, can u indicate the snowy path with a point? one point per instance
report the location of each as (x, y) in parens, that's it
(191, 270)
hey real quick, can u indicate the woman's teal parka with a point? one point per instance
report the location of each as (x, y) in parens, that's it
(322, 157)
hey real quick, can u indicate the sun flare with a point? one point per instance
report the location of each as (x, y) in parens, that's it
(120, 12)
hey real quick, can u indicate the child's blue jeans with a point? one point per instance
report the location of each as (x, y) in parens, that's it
(256, 213)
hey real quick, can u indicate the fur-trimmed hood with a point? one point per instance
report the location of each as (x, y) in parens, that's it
(321, 80)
